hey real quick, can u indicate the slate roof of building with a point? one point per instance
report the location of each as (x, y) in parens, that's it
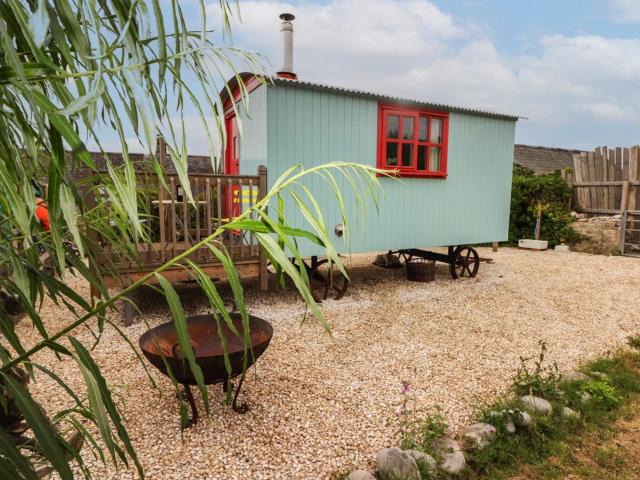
(142, 162)
(543, 159)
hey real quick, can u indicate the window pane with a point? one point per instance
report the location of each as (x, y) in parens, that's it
(407, 128)
(392, 154)
(407, 155)
(392, 126)
(436, 130)
(435, 159)
(422, 129)
(422, 157)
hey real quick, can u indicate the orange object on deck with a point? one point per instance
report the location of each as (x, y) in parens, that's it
(42, 213)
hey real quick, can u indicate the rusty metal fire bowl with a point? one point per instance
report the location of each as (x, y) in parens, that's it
(203, 332)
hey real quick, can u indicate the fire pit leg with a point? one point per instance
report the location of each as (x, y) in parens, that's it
(192, 403)
(242, 408)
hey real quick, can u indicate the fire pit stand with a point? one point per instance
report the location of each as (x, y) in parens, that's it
(161, 347)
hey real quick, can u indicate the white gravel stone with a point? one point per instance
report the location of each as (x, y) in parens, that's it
(324, 405)
(522, 419)
(537, 404)
(393, 463)
(360, 475)
(572, 376)
(570, 413)
(479, 435)
(451, 456)
(421, 458)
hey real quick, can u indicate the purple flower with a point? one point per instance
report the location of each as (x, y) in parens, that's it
(405, 387)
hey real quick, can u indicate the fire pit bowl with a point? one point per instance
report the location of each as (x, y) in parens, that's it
(203, 332)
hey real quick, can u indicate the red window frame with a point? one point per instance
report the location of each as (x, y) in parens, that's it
(384, 110)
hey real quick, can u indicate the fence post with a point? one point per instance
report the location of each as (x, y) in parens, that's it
(89, 202)
(634, 176)
(262, 190)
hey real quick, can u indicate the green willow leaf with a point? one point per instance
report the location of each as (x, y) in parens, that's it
(182, 332)
(48, 442)
(83, 357)
(12, 463)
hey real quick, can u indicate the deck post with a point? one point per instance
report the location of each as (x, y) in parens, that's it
(89, 201)
(262, 191)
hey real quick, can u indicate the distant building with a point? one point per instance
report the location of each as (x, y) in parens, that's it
(543, 159)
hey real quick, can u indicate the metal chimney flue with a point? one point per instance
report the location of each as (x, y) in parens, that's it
(286, 28)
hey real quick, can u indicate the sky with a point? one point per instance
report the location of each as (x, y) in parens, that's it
(572, 67)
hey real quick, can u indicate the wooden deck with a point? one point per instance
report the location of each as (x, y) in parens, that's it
(174, 225)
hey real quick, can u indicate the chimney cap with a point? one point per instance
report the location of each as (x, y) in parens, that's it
(287, 17)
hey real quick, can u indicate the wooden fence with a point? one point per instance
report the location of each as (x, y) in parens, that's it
(606, 181)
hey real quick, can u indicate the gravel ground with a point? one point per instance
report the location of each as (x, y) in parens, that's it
(323, 405)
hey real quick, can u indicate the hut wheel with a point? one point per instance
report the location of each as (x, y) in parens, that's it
(466, 262)
(327, 284)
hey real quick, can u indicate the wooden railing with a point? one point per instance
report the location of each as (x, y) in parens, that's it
(174, 224)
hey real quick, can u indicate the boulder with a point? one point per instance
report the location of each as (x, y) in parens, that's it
(600, 376)
(422, 459)
(572, 376)
(478, 435)
(394, 463)
(450, 454)
(570, 413)
(360, 475)
(537, 404)
(585, 397)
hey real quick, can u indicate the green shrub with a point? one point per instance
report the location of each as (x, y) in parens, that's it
(420, 434)
(540, 379)
(528, 190)
(603, 393)
(634, 341)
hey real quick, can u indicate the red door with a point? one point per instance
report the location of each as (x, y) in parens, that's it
(232, 154)
(232, 167)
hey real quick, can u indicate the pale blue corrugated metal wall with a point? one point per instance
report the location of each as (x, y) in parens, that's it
(313, 127)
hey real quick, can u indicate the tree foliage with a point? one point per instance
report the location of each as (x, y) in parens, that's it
(67, 70)
(553, 194)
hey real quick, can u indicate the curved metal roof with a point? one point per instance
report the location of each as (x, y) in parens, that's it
(394, 99)
(233, 82)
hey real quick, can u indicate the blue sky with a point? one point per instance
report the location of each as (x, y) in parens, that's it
(572, 67)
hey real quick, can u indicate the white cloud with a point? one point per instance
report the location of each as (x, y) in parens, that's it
(575, 90)
(626, 10)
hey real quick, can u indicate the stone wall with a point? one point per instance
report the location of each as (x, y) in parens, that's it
(602, 234)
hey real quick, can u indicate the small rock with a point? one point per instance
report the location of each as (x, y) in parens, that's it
(522, 419)
(479, 435)
(394, 463)
(600, 376)
(585, 397)
(453, 461)
(360, 475)
(510, 427)
(421, 458)
(572, 376)
(537, 404)
(570, 413)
